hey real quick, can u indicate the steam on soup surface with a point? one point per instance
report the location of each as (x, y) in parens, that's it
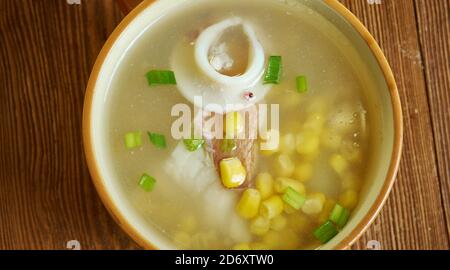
(223, 194)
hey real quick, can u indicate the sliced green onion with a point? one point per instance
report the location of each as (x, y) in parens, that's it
(325, 232)
(157, 140)
(228, 145)
(147, 182)
(160, 77)
(302, 84)
(193, 144)
(339, 216)
(293, 198)
(133, 139)
(273, 72)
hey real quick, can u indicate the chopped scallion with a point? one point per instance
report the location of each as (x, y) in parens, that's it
(293, 198)
(157, 140)
(339, 215)
(193, 144)
(133, 139)
(147, 182)
(160, 77)
(302, 84)
(273, 72)
(325, 232)
(228, 145)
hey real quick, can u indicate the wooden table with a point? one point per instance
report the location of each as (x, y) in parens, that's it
(47, 49)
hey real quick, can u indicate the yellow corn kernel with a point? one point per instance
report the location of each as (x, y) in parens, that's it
(314, 203)
(270, 142)
(264, 183)
(278, 223)
(242, 246)
(259, 225)
(331, 139)
(307, 143)
(248, 205)
(188, 224)
(300, 223)
(282, 183)
(284, 166)
(289, 209)
(287, 144)
(303, 172)
(326, 210)
(182, 239)
(350, 181)
(272, 207)
(338, 163)
(259, 246)
(234, 125)
(348, 199)
(232, 172)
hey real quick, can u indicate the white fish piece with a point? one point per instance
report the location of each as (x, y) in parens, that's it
(195, 174)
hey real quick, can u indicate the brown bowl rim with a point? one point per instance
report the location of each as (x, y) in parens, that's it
(371, 43)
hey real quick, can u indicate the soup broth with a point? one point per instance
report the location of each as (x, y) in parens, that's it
(323, 137)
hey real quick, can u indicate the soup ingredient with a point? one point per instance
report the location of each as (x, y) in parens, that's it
(313, 204)
(234, 125)
(273, 73)
(349, 199)
(284, 166)
(307, 143)
(287, 144)
(147, 182)
(193, 144)
(278, 223)
(264, 183)
(244, 149)
(326, 210)
(272, 207)
(248, 205)
(232, 172)
(293, 198)
(259, 225)
(283, 183)
(194, 173)
(325, 232)
(157, 140)
(160, 77)
(228, 146)
(133, 139)
(339, 216)
(338, 163)
(219, 75)
(302, 84)
(271, 142)
(303, 171)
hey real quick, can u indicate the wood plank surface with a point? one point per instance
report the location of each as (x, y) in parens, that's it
(433, 18)
(47, 49)
(412, 217)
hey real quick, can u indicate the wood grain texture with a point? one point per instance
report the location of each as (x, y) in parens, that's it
(433, 17)
(47, 50)
(46, 196)
(413, 217)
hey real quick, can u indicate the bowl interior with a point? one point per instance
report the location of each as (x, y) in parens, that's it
(380, 93)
